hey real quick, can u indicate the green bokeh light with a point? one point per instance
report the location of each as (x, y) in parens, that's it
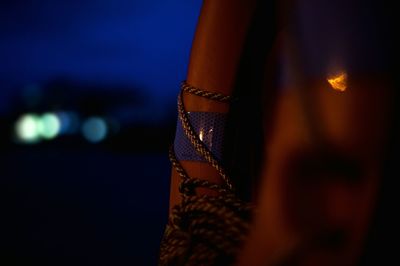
(49, 126)
(26, 128)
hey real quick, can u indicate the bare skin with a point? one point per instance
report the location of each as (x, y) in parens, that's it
(323, 160)
(214, 61)
(316, 200)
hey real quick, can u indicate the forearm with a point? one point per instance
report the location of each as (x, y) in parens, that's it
(215, 57)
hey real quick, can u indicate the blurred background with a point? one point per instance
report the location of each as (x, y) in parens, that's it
(87, 112)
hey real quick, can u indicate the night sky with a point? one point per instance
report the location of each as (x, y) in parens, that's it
(68, 202)
(144, 45)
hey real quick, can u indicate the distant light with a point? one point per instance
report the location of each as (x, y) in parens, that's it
(49, 126)
(26, 128)
(94, 129)
(339, 82)
(69, 122)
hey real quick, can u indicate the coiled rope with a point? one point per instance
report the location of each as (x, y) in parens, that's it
(203, 229)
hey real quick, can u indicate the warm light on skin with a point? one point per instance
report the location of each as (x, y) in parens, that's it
(305, 204)
(338, 82)
(201, 135)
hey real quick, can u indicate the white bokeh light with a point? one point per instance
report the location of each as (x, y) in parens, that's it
(27, 128)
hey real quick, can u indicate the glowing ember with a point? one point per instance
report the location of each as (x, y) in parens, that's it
(339, 82)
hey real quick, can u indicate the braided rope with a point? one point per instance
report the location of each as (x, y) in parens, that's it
(199, 145)
(215, 96)
(203, 229)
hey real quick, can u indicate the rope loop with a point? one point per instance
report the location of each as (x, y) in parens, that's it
(203, 229)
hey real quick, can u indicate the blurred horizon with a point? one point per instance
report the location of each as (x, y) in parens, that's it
(87, 113)
(140, 45)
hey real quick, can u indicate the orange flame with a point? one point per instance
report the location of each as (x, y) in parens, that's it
(338, 82)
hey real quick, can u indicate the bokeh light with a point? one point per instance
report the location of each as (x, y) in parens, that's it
(69, 122)
(95, 129)
(27, 128)
(49, 126)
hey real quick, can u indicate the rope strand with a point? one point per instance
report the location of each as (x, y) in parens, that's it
(203, 229)
(199, 145)
(215, 96)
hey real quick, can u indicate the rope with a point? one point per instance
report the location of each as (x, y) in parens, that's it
(203, 229)
(205, 94)
(198, 144)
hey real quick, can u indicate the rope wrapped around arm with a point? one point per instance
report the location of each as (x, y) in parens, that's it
(203, 229)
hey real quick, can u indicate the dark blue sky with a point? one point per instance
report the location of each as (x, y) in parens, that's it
(129, 43)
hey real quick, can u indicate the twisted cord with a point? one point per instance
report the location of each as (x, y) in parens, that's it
(199, 146)
(203, 229)
(215, 96)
